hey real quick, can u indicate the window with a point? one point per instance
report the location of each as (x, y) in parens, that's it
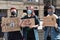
(30, 0)
(58, 12)
(51, 1)
(12, 0)
(3, 12)
(36, 0)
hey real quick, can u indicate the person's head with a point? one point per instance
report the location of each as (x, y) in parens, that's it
(49, 3)
(50, 10)
(30, 10)
(13, 11)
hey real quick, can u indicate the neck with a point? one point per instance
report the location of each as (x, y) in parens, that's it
(12, 15)
(29, 15)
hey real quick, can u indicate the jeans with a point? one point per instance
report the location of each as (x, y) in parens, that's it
(36, 34)
(53, 33)
(6, 35)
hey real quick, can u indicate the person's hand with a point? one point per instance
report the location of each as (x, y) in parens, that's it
(56, 25)
(20, 22)
(34, 26)
(2, 25)
(43, 25)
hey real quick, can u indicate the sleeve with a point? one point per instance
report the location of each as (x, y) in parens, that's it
(55, 16)
(58, 24)
(24, 17)
(57, 21)
(37, 20)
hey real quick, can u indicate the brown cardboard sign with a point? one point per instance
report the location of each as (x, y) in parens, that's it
(28, 22)
(49, 21)
(10, 24)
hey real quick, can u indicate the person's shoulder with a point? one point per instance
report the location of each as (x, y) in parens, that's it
(52, 6)
(24, 17)
(55, 16)
(35, 16)
(47, 15)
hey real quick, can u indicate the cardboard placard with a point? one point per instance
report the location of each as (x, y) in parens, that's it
(10, 24)
(28, 22)
(49, 21)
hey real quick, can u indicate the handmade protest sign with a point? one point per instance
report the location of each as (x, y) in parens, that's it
(28, 22)
(10, 24)
(49, 21)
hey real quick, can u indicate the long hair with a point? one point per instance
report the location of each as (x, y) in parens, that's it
(33, 13)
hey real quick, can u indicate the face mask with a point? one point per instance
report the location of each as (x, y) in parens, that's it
(13, 13)
(29, 11)
(50, 13)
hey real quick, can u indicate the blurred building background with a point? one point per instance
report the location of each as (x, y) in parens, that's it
(21, 5)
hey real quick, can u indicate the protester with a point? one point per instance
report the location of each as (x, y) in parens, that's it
(50, 30)
(30, 14)
(15, 35)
